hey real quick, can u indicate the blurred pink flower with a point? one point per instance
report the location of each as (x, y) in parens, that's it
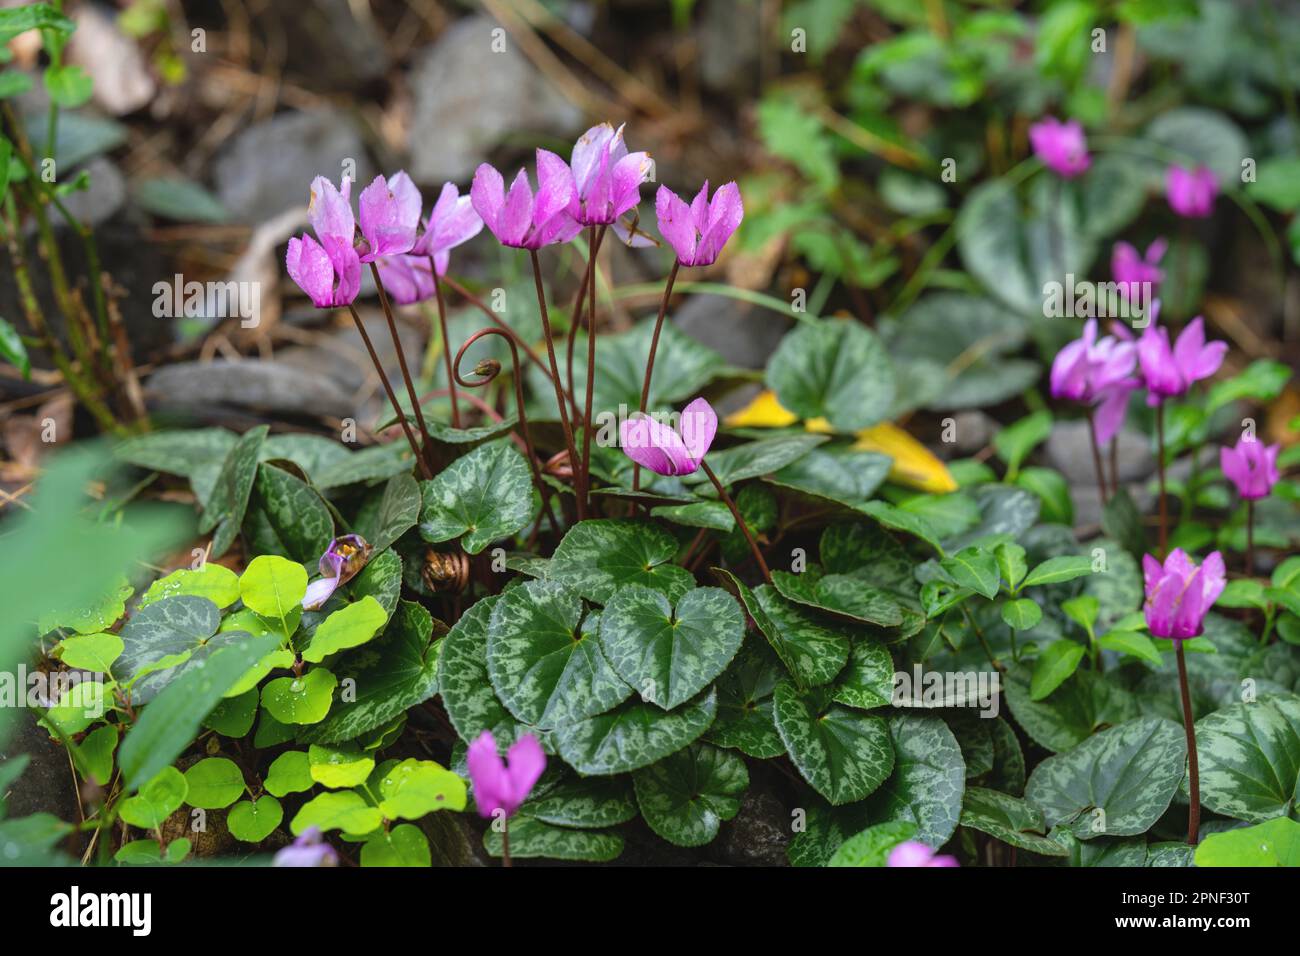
(1191, 192)
(1131, 269)
(1251, 466)
(1179, 594)
(1061, 146)
(1170, 372)
(308, 850)
(499, 786)
(912, 853)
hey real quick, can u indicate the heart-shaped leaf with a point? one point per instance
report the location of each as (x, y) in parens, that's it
(252, 821)
(218, 584)
(349, 626)
(1116, 783)
(300, 700)
(544, 659)
(388, 514)
(273, 587)
(595, 558)
(563, 799)
(530, 838)
(633, 736)
(1009, 819)
(845, 755)
(404, 845)
(685, 797)
(1070, 713)
(1250, 758)
(833, 369)
(871, 847)
(163, 635)
(1275, 843)
(484, 496)
(214, 783)
(413, 788)
(745, 719)
(344, 810)
(286, 516)
(669, 654)
(928, 780)
(868, 680)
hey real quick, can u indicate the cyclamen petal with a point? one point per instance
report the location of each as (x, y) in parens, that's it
(1191, 192)
(498, 787)
(452, 222)
(1061, 146)
(407, 278)
(390, 216)
(1179, 594)
(330, 211)
(666, 451)
(1252, 467)
(521, 219)
(697, 233)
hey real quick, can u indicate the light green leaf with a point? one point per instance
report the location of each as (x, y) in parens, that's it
(252, 821)
(290, 773)
(300, 700)
(344, 810)
(274, 587)
(973, 568)
(214, 783)
(160, 797)
(1022, 614)
(404, 845)
(1274, 843)
(349, 626)
(91, 652)
(217, 583)
(871, 847)
(339, 767)
(1055, 664)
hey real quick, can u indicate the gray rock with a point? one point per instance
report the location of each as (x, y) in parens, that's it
(268, 168)
(730, 38)
(47, 785)
(469, 97)
(335, 47)
(973, 430)
(103, 198)
(345, 362)
(759, 833)
(123, 83)
(1068, 451)
(743, 334)
(268, 386)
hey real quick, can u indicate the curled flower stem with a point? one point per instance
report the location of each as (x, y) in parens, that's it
(597, 235)
(555, 372)
(740, 522)
(401, 360)
(487, 376)
(1160, 463)
(650, 360)
(1193, 772)
(495, 319)
(446, 342)
(392, 397)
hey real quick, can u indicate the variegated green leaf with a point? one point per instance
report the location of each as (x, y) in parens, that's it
(1009, 819)
(686, 796)
(669, 654)
(598, 557)
(843, 754)
(745, 720)
(544, 659)
(484, 496)
(1250, 758)
(1116, 783)
(928, 780)
(633, 736)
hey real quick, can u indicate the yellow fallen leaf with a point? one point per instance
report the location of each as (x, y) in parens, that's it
(763, 412)
(913, 465)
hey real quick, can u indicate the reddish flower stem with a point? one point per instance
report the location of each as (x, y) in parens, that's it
(542, 489)
(1250, 537)
(1193, 772)
(650, 360)
(1160, 462)
(495, 319)
(555, 373)
(740, 522)
(392, 397)
(597, 236)
(401, 361)
(1096, 458)
(505, 844)
(446, 343)
(577, 313)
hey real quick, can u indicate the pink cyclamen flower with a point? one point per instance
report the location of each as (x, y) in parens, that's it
(520, 218)
(407, 279)
(1097, 372)
(1061, 146)
(1251, 466)
(1191, 192)
(607, 178)
(500, 785)
(328, 270)
(668, 451)
(698, 232)
(310, 849)
(453, 221)
(340, 563)
(1132, 270)
(1180, 594)
(1170, 372)
(912, 853)
(390, 216)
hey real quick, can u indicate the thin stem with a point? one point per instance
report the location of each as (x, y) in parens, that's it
(495, 319)
(1096, 458)
(740, 521)
(597, 236)
(650, 359)
(555, 373)
(1250, 537)
(577, 313)
(411, 392)
(505, 844)
(392, 396)
(446, 343)
(1160, 462)
(1114, 466)
(488, 374)
(984, 641)
(1193, 772)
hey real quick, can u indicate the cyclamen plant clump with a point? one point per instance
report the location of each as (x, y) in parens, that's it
(584, 589)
